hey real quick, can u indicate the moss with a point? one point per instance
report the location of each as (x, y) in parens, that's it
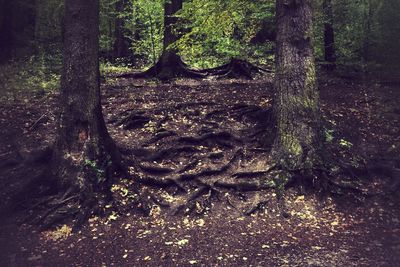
(291, 144)
(303, 102)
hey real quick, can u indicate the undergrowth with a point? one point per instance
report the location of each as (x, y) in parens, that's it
(39, 73)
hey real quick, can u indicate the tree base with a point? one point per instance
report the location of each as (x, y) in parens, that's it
(166, 72)
(236, 68)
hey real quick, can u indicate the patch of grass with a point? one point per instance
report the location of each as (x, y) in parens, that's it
(107, 68)
(35, 73)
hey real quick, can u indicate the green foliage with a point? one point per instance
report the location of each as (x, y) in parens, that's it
(367, 33)
(345, 143)
(117, 67)
(48, 22)
(215, 31)
(36, 73)
(144, 22)
(211, 32)
(95, 168)
(107, 17)
(329, 135)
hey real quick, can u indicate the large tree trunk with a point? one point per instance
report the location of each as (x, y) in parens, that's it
(329, 35)
(121, 44)
(85, 155)
(296, 110)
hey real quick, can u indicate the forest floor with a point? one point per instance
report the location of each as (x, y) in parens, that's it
(190, 127)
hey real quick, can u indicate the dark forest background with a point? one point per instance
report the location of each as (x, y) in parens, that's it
(358, 36)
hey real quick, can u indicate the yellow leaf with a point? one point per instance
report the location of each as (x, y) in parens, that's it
(200, 222)
(182, 242)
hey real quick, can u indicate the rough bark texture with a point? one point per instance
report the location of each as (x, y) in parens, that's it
(84, 154)
(121, 44)
(329, 35)
(296, 109)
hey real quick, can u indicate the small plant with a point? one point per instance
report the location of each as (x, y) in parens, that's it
(345, 143)
(93, 165)
(36, 73)
(329, 135)
(107, 67)
(60, 233)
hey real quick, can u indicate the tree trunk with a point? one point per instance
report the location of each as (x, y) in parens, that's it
(85, 155)
(329, 35)
(298, 139)
(170, 60)
(368, 15)
(6, 34)
(121, 44)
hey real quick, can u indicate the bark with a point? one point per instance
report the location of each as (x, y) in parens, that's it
(121, 44)
(329, 35)
(85, 156)
(298, 139)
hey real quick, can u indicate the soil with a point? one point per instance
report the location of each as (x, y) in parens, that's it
(188, 142)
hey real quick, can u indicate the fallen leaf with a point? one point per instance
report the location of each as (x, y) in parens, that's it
(182, 242)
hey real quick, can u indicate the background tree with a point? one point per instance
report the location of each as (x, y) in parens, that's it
(298, 142)
(329, 35)
(48, 28)
(170, 61)
(17, 20)
(6, 34)
(121, 43)
(388, 37)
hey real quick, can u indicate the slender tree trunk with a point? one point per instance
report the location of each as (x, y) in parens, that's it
(329, 35)
(85, 155)
(368, 14)
(298, 140)
(121, 44)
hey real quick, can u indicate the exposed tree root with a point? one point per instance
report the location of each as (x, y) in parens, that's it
(165, 182)
(199, 202)
(218, 157)
(179, 69)
(155, 170)
(257, 205)
(226, 152)
(236, 68)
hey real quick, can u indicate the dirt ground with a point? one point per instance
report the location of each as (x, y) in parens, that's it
(337, 230)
